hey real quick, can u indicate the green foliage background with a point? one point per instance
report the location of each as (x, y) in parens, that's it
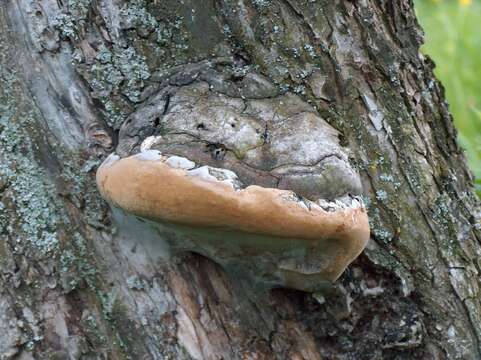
(453, 41)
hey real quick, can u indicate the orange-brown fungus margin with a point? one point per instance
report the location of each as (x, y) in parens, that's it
(154, 190)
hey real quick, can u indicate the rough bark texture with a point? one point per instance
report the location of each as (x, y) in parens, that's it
(75, 286)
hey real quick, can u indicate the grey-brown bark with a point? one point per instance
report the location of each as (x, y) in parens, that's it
(74, 286)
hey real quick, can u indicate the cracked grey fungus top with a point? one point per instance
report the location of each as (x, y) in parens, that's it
(278, 141)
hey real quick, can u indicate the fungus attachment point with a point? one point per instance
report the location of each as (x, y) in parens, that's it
(279, 238)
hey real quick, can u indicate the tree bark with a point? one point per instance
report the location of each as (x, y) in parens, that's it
(76, 285)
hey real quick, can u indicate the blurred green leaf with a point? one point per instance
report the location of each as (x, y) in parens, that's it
(453, 41)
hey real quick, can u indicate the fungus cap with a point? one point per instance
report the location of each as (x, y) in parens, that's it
(148, 185)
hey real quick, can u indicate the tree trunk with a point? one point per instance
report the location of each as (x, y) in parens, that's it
(75, 284)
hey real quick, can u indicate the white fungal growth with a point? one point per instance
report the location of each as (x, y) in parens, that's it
(149, 155)
(179, 162)
(202, 173)
(217, 175)
(302, 202)
(341, 203)
(226, 176)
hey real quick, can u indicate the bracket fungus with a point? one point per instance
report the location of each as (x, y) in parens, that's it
(289, 240)
(251, 178)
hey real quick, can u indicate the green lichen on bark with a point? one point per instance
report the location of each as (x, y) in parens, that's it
(44, 244)
(76, 265)
(30, 212)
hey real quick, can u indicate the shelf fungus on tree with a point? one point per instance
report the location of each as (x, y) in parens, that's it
(223, 164)
(273, 235)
